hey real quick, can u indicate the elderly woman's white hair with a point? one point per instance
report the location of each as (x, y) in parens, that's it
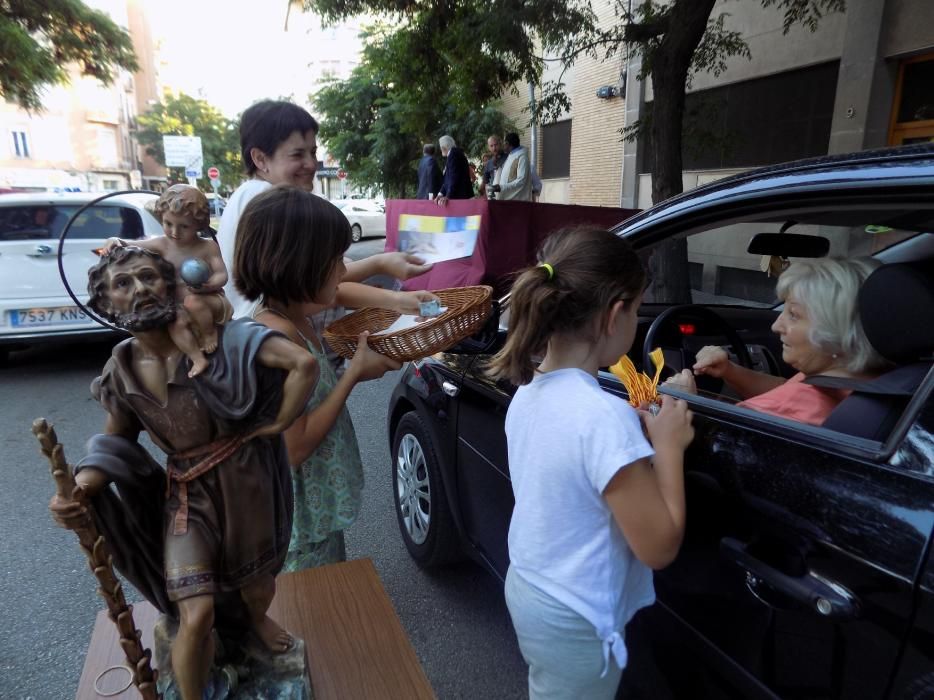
(827, 288)
(446, 142)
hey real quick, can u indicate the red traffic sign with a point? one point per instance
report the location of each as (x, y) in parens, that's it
(341, 174)
(214, 173)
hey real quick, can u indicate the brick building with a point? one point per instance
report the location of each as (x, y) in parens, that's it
(864, 79)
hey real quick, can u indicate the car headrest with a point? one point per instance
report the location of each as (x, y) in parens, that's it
(896, 307)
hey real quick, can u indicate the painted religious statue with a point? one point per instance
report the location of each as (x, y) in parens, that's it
(203, 538)
(201, 275)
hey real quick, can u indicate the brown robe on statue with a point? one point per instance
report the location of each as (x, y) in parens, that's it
(239, 512)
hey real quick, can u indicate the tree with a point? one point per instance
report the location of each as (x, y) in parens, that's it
(482, 44)
(376, 121)
(184, 115)
(676, 40)
(40, 40)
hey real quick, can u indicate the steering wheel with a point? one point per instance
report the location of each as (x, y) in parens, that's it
(671, 315)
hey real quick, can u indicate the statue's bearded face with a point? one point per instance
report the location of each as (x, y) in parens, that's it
(139, 295)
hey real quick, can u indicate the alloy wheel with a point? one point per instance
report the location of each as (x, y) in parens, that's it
(413, 490)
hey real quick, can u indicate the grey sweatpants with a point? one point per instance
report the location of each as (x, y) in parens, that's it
(562, 649)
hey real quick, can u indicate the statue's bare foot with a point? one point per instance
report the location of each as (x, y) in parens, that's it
(199, 363)
(210, 342)
(276, 639)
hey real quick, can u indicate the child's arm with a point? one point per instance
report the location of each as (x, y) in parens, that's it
(647, 499)
(153, 244)
(215, 283)
(302, 375)
(308, 431)
(357, 296)
(399, 265)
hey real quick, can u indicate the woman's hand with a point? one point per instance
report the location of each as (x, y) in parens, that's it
(682, 381)
(671, 428)
(404, 265)
(713, 361)
(408, 302)
(368, 364)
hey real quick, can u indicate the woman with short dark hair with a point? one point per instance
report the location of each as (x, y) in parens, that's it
(278, 142)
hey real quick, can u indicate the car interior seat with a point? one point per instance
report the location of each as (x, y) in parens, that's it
(896, 308)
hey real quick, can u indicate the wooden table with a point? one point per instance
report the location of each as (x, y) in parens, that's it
(356, 645)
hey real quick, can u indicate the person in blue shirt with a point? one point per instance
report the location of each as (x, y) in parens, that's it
(429, 173)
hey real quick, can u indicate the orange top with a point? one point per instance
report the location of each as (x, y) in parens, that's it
(797, 401)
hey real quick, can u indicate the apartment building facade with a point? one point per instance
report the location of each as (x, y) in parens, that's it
(864, 79)
(84, 137)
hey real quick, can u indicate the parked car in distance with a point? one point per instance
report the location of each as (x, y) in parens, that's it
(34, 305)
(367, 219)
(806, 569)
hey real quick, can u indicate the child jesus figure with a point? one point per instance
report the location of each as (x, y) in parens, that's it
(183, 212)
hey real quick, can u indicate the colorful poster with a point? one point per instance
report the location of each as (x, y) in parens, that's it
(438, 238)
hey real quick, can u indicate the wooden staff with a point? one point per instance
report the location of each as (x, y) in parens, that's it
(101, 562)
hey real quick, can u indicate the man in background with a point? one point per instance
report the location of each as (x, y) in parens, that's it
(515, 178)
(429, 173)
(456, 184)
(495, 162)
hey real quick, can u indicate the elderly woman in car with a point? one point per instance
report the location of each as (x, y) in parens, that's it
(821, 334)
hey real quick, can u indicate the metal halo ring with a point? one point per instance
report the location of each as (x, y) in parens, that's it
(112, 693)
(61, 246)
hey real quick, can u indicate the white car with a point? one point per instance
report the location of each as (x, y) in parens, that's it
(34, 305)
(366, 217)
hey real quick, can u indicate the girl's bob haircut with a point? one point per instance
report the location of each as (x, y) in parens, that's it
(288, 242)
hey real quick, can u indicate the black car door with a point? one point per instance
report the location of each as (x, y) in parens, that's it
(797, 570)
(483, 484)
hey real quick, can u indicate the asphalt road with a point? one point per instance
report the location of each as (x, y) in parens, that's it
(456, 617)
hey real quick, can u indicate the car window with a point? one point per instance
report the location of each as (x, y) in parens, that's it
(32, 222)
(721, 271)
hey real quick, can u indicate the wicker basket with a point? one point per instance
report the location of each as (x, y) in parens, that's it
(467, 310)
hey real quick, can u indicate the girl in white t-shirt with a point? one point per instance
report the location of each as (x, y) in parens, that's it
(596, 507)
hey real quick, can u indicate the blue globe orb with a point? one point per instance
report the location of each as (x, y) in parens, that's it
(194, 272)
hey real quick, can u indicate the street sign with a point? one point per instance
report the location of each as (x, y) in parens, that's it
(341, 173)
(214, 173)
(215, 182)
(182, 151)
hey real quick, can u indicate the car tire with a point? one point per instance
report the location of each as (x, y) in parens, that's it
(356, 233)
(422, 509)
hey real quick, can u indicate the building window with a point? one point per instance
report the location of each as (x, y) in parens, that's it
(107, 147)
(913, 110)
(768, 120)
(556, 150)
(20, 144)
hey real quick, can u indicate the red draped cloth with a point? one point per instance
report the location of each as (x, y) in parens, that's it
(510, 234)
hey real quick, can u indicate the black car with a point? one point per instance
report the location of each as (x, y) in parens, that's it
(806, 569)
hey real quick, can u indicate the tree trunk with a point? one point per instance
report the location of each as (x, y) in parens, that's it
(671, 60)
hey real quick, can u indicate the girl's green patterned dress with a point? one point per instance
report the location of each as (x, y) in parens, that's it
(327, 485)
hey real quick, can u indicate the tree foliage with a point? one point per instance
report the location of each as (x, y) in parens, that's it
(376, 121)
(476, 49)
(676, 40)
(183, 115)
(40, 40)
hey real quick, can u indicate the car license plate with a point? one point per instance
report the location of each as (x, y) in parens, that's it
(30, 318)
